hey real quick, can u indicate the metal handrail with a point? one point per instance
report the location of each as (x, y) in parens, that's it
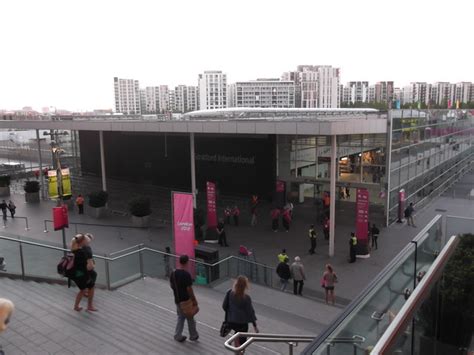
(138, 247)
(27, 227)
(292, 340)
(90, 224)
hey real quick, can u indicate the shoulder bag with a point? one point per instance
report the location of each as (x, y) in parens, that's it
(225, 329)
(188, 307)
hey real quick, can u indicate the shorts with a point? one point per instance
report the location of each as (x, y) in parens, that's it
(329, 288)
(86, 281)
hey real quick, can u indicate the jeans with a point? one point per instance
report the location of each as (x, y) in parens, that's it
(283, 284)
(178, 333)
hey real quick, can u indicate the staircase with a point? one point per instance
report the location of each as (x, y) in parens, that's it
(137, 319)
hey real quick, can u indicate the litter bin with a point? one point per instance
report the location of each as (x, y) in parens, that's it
(209, 256)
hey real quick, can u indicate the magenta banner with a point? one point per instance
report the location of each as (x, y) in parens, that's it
(362, 215)
(183, 226)
(211, 205)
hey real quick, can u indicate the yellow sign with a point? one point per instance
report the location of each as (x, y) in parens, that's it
(66, 181)
(53, 184)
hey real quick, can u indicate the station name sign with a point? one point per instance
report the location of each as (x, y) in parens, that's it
(218, 158)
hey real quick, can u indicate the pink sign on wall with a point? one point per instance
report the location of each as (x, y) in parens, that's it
(183, 227)
(211, 205)
(362, 215)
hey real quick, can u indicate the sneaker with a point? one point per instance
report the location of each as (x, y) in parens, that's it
(194, 338)
(180, 339)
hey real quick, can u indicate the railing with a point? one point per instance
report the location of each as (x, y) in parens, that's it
(292, 340)
(389, 340)
(76, 224)
(35, 260)
(27, 227)
(373, 310)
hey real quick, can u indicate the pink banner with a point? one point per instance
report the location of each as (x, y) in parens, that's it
(183, 227)
(211, 205)
(362, 215)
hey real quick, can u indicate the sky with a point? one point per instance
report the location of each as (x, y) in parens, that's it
(65, 53)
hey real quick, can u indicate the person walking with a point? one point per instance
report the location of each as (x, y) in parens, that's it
(283, 272)
(282, 256)
(275, 218)
(222, 236)
(409, 215)
(298, 276)
(227, 214)
(3, 207)
(286, 219)
(375, 235)
(12, 208)
(84, 275)
(182, 285)
(312, 239)
(236, 214)
(329, 279)
(352, 248)
(239, 309)
(80, 204)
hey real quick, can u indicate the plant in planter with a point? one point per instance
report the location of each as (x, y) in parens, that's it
(140, 209)
(32, 188)
(4, 185)
(97, 202)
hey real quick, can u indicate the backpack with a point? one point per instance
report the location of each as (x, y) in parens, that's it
(66, 266)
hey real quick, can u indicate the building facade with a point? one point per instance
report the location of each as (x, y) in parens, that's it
(127, 96)
(356, 92)
(265, 93)
(384, 92)
(212, 90)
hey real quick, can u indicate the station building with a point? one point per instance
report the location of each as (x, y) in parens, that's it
(246, 150)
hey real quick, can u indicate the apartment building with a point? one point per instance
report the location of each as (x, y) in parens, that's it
(212, 90)
(127, 96)
(265, 93)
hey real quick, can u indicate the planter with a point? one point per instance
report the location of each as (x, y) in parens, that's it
(32, 197)
(141, 221)
(96, 212)
(5, 191)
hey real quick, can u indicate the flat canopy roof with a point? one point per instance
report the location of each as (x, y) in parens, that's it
(225, 121)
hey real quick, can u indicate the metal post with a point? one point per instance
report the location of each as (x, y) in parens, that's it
(361, 151)
(193, 169)
(140, 256)
(332, 195)
(290, 350)
(102, 160)
(22, 261)
(107, 272)
(43, 195)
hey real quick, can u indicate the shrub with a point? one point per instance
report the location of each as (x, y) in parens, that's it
(31, 186)
(4, 180)
(98, 199)
(140, 206)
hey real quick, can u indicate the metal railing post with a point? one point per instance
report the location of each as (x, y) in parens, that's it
(140, 256)
(290, 350)
(107, 273)
(27, 226)
(45, 226)
(22, 261)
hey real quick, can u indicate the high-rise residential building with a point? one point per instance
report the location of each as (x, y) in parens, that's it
(406, 95)
(180, 98)
(319, 85)
(463, 92)
(439, 93)
(262, 93)
(127, 96)
(151, 100)
(164, 99)
(384, 91)
(420, 92)
(143, 101)
(192, 98)
(294, 76)
(372, 93)
(212, 90)
(356, 92)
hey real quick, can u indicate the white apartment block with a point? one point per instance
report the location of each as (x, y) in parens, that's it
(420, 92)
(356, 92)
(463, 92)
(180, 98)
(266, 93)
(192, 99)
(406, 95)
(372, 93)
(212, 90)
(384, 91)
(127, 96)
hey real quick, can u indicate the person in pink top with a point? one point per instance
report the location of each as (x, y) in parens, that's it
(328, 281)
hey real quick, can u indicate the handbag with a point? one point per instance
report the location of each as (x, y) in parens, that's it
(225, 328)
(188, 308)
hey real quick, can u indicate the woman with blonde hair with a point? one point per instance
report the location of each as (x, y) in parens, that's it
(328, 281)
(239, 310)
(84, 274)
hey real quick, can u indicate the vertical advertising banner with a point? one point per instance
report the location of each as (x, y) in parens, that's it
(52, 184)
(66, 182)
(183, 227)
(362, 215)
(60, 217)
(211, 205)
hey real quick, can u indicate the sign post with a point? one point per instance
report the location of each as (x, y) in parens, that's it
(362, 221)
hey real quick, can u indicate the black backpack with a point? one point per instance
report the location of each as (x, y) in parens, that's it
(66, 266)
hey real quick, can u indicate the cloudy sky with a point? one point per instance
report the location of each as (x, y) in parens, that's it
(66, 53)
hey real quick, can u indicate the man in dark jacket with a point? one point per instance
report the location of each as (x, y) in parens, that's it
(283, 271)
